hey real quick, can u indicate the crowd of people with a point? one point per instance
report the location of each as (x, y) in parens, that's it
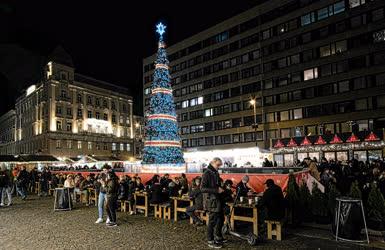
(209, 192)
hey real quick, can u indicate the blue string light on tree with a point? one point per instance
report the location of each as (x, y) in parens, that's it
(162, 142)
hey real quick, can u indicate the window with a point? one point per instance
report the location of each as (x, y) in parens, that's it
(69, 144)
(285, 133)
(334, 48)
(297, 113)
(377, 14)
(89, 114)
(105, 146)
(79, 98)
(105, 105)
(270, 117)
(128, 147)
(361, 104)
(80, 113)
(310, 74)
(284, 115)
(105, 117)
(121, 147)
(113, 118)
(380, 79)
(343, 86)
(339, 7)
(381, 101)
(69, 126)
(97, 115)
(58, 110)
(209, 112)
(147, 91)
(379, 36)
(185, 104)
(58, 144)
(63, 93)
(89, 100)
(58, 125)
(69, 111)
(113, 147)
(89, 145)
(356, 3)
(359, 83)
(323, 13)
(79, 145)
(307, 19)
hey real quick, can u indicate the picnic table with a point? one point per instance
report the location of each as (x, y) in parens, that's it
(179, 201)
(253, 219)
(141, 195)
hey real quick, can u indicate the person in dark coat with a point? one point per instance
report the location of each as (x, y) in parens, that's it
(211, 189)
(123, 188)
(22, 180)
(243, 187)
(112, 187)
(156, 191)
(273, 200)
(3, 183)
(165, 181)
(195, 194)
(44, 179)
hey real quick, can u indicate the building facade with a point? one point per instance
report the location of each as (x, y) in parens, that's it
(293, 67)
(70, 115)
(138, 136)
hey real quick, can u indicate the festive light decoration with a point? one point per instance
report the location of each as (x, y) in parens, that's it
(305, 142)
(353, 138)
(320, 141)
(292, 143)
(162, 142)
(336, 139)
(372, 137)
(279, 144)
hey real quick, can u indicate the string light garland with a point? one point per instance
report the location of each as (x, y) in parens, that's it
(162, 143)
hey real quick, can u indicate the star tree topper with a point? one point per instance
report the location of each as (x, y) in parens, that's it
(160, 29)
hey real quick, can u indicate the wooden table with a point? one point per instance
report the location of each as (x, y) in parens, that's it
(183, 199)
(253, 219)
(145, 206)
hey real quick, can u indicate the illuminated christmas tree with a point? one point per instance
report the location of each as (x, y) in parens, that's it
(162, 143)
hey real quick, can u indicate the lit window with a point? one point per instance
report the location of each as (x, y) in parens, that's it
(200, 100)
(297, 113)
(356, 3)
(284, 115)
(323, 13)
(340, 7)
(89, 145)
(58, 144)
(58, 125)
(69, 144)
(79, 145)
(379, 36)
(128, 147)
(147, 91)
(307, 19)
(185, 104)
(209, 112)
(121, 147)
(310, 74)
(113, 146)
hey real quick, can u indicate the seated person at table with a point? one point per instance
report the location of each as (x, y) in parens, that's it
(183, 184)
(165, 181)
(138, 184)
(123, 188)
(195, 195)
(273, 200)
(243, 187)
(85, 185)
(69, 183)
(156, 191)
(227, 195)
(174, 188)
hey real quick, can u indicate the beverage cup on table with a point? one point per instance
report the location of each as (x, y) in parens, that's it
(241, 199)
(250, 201)
(256, 200)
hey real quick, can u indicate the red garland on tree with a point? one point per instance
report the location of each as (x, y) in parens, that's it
(279, 144)
(353, 138)
(336, 140)
(292, 143)
(305, 142)
(320, 141)
(372, 137)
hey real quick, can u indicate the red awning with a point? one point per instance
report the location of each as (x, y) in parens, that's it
(305, 142)
(292, 143)
(279, 144)
(336, 140)
(353, 138)
(320, 141)
(372, 137)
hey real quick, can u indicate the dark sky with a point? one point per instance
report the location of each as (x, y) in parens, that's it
(106, 40)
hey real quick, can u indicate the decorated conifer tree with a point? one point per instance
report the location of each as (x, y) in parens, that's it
(162, 142)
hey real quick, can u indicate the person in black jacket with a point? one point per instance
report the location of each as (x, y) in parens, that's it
(3, 183)
(156, 191)
(123, 188)
(112, 187)
(22, 182)
(195, 194)
(243, 187)
(273, 200)
(44, 179)
(211, 189)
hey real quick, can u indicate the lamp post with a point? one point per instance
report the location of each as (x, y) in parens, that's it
(253, 102)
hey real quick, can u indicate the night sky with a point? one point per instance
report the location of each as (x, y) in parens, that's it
(106, 40)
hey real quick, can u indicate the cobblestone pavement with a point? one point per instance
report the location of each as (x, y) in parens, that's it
(32, 224)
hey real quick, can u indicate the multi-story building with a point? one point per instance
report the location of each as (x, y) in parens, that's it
(295, 67)
(68, 115)
(138, 136)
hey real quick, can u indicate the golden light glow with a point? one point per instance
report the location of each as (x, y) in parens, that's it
(137, 125)
(30, 90)
(252, 102)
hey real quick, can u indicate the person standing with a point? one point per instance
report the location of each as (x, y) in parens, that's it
(112, 188)
(211, 190)
(101, 186)
(7, 191)
(22, 182)
(3, 183)
(273, 200)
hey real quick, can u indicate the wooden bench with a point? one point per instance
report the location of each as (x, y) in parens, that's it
(157, 210)
(144, 195)
(37, 187)
(123, 206)
(166, 210)
(274, 229)
(203, 215)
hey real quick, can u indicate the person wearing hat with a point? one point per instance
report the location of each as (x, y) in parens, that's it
(273, 200)
(243, 187)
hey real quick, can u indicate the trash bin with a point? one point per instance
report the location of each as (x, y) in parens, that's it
(63, 200)
(349, 220)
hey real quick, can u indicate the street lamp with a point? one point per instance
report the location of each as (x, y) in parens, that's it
(253, 102)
